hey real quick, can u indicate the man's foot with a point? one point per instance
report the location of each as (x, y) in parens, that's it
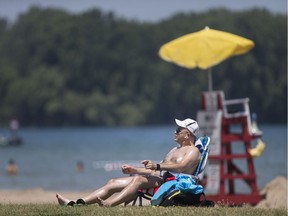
(99, 201)
(64, 201)
(102, 202)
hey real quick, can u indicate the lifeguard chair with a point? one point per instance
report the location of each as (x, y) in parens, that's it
(218, 117)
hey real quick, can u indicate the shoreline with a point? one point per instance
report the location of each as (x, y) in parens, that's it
(275, 193)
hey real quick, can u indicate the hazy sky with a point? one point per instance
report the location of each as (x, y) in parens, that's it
(142, 10)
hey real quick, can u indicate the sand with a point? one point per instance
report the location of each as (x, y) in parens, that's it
(274, 193)
(36, 196)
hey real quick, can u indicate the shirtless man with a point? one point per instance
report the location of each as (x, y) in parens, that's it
(181, 159)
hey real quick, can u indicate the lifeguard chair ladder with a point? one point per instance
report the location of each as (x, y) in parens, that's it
(216, 119)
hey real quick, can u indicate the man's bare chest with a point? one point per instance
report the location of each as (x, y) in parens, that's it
(175, 156)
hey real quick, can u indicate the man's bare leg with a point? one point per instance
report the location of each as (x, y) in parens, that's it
(130, 191)
(111, 187)
(127, 186)
(62, 200)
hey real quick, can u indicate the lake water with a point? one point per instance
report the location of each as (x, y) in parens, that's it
(48, 157)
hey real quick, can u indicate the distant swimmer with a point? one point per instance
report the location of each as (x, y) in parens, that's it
(11, 168)
(79, 166)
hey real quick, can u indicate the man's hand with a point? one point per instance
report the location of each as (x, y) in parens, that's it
(149, 164)
(127, 169)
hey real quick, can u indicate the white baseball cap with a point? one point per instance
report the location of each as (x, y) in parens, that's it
(190, 124)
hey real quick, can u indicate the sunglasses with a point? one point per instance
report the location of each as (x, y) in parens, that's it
(178, 130)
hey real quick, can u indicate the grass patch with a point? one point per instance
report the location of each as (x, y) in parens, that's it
(56, 210)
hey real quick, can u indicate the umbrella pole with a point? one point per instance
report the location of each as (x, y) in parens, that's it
(210, 84)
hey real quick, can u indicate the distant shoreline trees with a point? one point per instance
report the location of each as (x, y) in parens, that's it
(94, 69)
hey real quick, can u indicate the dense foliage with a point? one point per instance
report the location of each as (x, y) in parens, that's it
(96, 69)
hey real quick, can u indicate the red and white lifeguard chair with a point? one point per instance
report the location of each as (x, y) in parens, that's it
(217, 118)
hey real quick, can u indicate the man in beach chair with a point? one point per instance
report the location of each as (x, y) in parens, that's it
(182, 159)
(180, 189)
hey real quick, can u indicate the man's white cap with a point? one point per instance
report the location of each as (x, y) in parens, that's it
(190, 124)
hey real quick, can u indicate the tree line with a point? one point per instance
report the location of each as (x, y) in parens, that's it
(61, 69)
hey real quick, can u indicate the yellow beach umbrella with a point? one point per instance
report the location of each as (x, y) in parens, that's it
(204, 49)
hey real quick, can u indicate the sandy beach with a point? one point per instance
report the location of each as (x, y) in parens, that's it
(36, 196)
(274, 193)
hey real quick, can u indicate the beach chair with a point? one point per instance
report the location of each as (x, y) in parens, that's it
(177, 197)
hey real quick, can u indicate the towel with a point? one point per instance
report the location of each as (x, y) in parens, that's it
(184, 183)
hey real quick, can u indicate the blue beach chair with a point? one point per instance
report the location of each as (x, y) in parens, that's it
(176, 196)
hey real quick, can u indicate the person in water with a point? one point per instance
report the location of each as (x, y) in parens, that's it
(11, 168)
(181, 159)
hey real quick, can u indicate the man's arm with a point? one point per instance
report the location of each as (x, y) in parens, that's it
(127, 169)
(190, 159)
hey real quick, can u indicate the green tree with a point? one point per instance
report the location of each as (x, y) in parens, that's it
(95, 69)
